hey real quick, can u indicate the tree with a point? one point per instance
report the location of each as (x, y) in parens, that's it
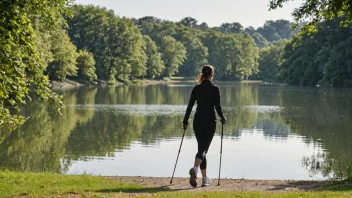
(276, 30)
(148, 19)
(21, 66)
(138, 58)
(322, 57)
(86, 65)
(173, 55)
(231, 28)
(116, 43)
(250, 30)
(155, 64)
(270, 60)
(64, 57)
(189, 22)
(196, 54)
(318, 11)
(260, 40)
(235, 56)
(248, 63)
(203, 26)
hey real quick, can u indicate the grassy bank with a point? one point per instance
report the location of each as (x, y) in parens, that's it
(14, 184)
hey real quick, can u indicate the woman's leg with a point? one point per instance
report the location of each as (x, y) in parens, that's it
(208, 137)
(201, 140)
(203, 167)
(198, 131)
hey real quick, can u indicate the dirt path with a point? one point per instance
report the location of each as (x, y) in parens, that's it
(181, 184)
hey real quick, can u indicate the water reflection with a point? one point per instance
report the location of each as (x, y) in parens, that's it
(105, 122)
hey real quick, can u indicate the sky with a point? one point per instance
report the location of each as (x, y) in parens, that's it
(213, 12)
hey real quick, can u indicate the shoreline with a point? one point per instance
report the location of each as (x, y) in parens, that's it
(73, 84)
(226, 185)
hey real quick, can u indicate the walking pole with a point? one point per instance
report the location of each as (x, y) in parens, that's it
(222, 135)
(178, 155)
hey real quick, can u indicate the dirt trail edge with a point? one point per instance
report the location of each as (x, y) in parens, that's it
(227, 185)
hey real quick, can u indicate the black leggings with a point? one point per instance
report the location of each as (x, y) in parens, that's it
(204, 131)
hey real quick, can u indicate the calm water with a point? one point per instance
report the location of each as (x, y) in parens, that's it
(273, 132)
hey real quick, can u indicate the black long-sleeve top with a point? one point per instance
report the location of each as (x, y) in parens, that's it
(207, 96)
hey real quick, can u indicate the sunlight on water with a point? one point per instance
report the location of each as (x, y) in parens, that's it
(164, 110)
(140, 110)
(179, 85)
(263, 108)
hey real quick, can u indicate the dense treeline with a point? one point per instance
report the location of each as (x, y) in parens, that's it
(325, 57)
(320, 58)
(97, 44)
(126, 49)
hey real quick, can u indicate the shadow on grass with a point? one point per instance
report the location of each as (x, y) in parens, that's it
(143, 190)
(314, 186)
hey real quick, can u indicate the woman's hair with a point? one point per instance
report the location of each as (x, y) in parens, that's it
(207, 71)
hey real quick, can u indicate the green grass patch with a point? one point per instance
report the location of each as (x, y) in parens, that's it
(46, 184)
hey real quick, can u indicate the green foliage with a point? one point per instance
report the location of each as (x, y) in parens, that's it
(173, 54)
(248, 63)
(20, 61)
(235, 56)
(270, 60)
(203, 26)
(152, 19)
(155, 65)
(196, 55)
(318, 11)
(116, 43)
(324, 57)
(276, 30)
(86, 65)
(231, 28)
(260, 40)
(64, 57)
(189, 22)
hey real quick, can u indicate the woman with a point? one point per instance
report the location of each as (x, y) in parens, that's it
(207, 96)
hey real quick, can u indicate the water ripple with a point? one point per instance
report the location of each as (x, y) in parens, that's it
(141, 110)
(263, 108)
(164, 110)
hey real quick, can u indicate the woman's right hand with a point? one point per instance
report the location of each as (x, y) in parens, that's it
(223, 121)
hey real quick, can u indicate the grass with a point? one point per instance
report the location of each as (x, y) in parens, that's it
(48, 184)
(13, 184)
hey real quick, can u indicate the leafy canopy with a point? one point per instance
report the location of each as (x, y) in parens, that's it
(317, 11)
(20, 61)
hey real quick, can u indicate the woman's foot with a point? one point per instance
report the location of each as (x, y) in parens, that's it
(206, 181)
(193, 177)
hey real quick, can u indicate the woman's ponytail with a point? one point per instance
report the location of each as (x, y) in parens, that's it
(207, 71)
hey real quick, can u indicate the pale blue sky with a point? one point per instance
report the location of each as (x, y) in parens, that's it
(247, 12)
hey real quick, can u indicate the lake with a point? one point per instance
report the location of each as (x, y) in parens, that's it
(272, 132)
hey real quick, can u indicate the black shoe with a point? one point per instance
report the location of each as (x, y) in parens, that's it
(193, 177)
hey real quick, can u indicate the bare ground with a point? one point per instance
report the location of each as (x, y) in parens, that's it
(156, 184)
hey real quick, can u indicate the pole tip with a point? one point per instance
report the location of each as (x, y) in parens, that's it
(170, 182)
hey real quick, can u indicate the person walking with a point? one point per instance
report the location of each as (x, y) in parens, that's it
(207, 96)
